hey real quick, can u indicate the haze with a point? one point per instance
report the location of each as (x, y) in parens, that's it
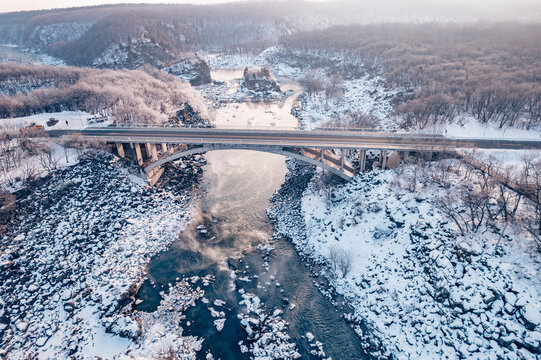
(363, 10)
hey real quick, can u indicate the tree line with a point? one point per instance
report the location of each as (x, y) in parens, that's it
(481, 198)
(80, 35)
(492, 71)
(145, 96)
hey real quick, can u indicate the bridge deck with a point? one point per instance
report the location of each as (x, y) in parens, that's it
(292, 138)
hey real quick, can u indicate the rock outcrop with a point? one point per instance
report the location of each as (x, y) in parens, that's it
(193, 69)
(260, 79)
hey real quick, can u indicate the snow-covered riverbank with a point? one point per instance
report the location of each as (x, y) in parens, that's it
(422, 290)
(74, 255)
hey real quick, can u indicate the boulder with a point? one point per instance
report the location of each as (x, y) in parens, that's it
(531, 315)
(22, 326)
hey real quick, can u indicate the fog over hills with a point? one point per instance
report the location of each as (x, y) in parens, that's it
(157, 34)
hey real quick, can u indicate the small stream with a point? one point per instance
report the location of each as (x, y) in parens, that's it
(237, 186)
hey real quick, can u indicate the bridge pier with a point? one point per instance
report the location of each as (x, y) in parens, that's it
(148, 150)
(164, 148)
(120, 150)
(362, 160)
(153, 152)
(384, 161)
(138, 154)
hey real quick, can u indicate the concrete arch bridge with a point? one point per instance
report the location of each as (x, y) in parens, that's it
(152, 157)
(154, 147)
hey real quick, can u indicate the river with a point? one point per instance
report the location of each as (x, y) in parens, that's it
(237, 186)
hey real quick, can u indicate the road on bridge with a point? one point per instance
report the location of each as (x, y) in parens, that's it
(298, 138)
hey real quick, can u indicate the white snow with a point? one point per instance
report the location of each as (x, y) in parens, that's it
(469, 127)
(75, 120)
(267, 333)
(81, 257)
(399, 279)
(219, 323)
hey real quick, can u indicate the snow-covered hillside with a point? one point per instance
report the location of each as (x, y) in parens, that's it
(74, 256)
(422, 290)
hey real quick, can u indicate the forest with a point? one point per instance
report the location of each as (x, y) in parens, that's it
(491, 71)
(80, 35)
(144, 96)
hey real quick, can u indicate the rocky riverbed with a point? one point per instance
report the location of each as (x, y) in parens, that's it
(77, 252)
(419, 289)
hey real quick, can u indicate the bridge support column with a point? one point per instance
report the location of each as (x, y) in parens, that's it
(384, 163)
(171, 149)
(120, 150)
(322, 155)
(148, 149)
(342, 160)
(131, 146)
(164, 148)
(138, 154)
(362, 160)
(153, 152)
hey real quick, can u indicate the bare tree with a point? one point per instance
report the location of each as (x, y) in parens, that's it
(468, 207)
(340, 261)
(7, 209)
(48, 158)
(29, 170)
(532, 183)
(334, 87)
(314, 81)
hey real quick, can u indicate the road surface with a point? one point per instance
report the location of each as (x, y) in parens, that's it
(297, 138)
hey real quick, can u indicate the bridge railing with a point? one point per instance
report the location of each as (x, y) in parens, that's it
(170, 126)
(249, 127)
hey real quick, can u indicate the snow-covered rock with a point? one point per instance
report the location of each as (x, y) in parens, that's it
(65, 280)
(418, 289)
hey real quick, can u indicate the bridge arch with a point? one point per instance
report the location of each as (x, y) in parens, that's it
(328, 161)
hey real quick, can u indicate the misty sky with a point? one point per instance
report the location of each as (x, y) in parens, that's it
(17, 5)
(490, 9)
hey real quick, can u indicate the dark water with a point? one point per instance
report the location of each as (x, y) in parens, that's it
(238, 185)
